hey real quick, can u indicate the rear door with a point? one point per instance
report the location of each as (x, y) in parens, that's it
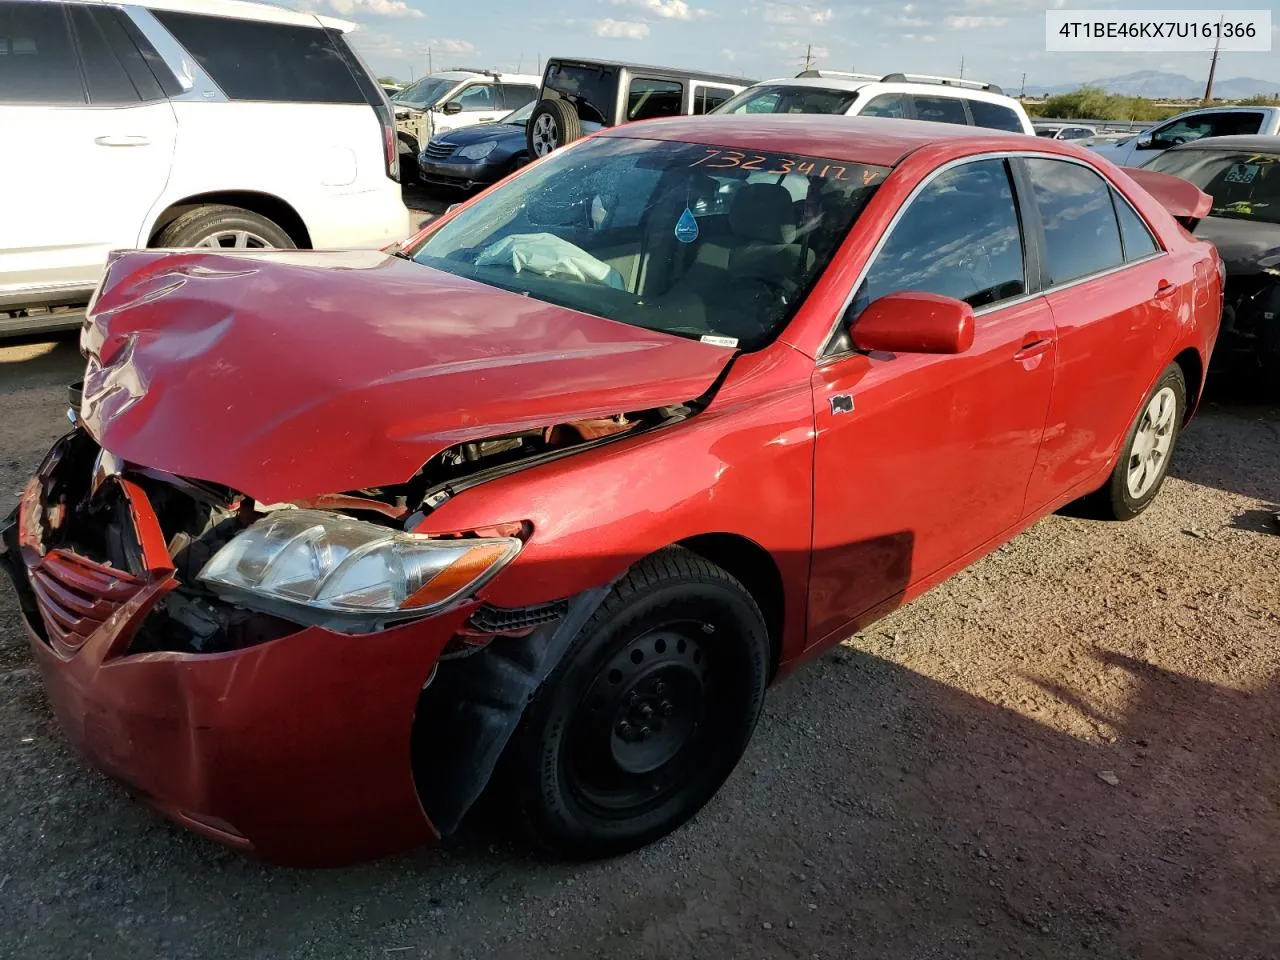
(88, 139)
(1112, 291)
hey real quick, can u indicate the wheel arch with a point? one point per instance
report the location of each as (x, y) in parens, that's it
(755, 568)
(267, 205)
(1193, 372)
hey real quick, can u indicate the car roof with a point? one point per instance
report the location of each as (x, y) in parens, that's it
(892, 86)
(873, 140)
(460, 75)
(1255, 142)
(239, 10)
(648, 68)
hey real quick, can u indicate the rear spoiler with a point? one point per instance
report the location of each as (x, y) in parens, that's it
(1187, 202)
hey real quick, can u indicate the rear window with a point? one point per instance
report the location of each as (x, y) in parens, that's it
(940, 109)
(782, 99)
(1244, 185)
(251, 60)
(995, 116)
(592, 90)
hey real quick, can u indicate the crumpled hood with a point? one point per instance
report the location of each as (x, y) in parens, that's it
(1244, 245)
(289, 374)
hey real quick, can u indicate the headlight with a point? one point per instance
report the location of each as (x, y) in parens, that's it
(328, 562)
(477, 151)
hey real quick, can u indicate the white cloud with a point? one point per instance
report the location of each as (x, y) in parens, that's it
(797, 14)
(728, 54)
(621, 29)
(451, 46)
(974, 23)
(375, 8)
(905, 21)
(798, 48)
(664, 9)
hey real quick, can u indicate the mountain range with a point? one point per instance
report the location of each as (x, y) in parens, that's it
(1156, 85)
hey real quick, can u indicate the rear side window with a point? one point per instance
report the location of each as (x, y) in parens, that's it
(592, 90)
(995, 116)
(37, 61)
(1135, 238)
(251, 60)
(113, 66)
(940, 109)
(706, 99)
(887, 105)
(1080, 231)
(959, 238)
(516, 95)
(647, 99)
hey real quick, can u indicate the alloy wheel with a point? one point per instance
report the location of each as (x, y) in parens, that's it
(1149, 452)
(546, 136)
(235, 240)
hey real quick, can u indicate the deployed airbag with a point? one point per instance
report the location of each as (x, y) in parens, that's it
(549, 256)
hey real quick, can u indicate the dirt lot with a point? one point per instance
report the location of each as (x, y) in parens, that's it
(1071, 750)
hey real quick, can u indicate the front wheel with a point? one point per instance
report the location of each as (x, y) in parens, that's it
(646, 715)
(224, 227)
(1143, 464)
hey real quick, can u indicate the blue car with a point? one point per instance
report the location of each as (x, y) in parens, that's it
(479, 155)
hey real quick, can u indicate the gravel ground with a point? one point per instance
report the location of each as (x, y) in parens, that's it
(1070, 750)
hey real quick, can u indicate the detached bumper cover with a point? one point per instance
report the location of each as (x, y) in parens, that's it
(298, 749)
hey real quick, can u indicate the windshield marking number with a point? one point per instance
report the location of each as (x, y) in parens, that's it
(726, 159)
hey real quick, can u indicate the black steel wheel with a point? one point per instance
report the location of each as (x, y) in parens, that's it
(647, 714)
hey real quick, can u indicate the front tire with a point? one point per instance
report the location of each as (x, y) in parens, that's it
(224, 227)
(647, 714)
(1143, 464)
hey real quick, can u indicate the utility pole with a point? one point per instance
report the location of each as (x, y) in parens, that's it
(1022, 94)
(429, 67)
(808, 57)
(962, 68)
(1213, 66)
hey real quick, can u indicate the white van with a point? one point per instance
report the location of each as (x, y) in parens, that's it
(180, 123)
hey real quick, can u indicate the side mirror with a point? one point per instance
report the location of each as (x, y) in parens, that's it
(914, 322)
(1144, 143)
(452, 107)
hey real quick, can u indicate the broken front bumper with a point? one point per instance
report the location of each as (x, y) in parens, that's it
(298, 748)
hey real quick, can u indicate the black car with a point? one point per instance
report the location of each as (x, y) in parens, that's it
(1242, 174)
(478, 155)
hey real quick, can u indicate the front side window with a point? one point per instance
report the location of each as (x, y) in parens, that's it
(782, 99)
(37, 61)
(995, 116)
(477, 96)
(959, 238)
(887, 105)
(255, 60)
(1244, 185)
(1080, 231)
(647, 99)
(706, 99)
(679, 237)
(940, 109)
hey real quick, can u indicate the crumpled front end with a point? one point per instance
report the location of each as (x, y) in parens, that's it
(290, 741)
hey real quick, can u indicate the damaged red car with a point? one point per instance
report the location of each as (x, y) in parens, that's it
(542, 501)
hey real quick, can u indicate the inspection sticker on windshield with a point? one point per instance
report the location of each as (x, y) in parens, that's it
(719, 341)
(1242, 173)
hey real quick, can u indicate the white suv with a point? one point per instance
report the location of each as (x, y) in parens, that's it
(445, 101)
(180, 123)
(906, 96)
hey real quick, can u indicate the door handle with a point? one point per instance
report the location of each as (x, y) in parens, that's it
(1166, 289)
(1033, 348)
(121, 140)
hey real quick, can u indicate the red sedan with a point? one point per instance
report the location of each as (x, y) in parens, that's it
(549, 496)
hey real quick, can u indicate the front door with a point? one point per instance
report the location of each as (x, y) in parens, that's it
(475, 103)
(922, 460)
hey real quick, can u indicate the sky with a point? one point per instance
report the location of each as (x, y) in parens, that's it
(999, 40)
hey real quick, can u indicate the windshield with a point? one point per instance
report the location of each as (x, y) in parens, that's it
(425, 92)
(782, 99)
(1244, 185)
(520, 116)
(679, 237)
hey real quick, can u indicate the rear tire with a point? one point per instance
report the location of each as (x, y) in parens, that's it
(646, 715)
(224, 227)
(552, 124)
(1143, 463)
